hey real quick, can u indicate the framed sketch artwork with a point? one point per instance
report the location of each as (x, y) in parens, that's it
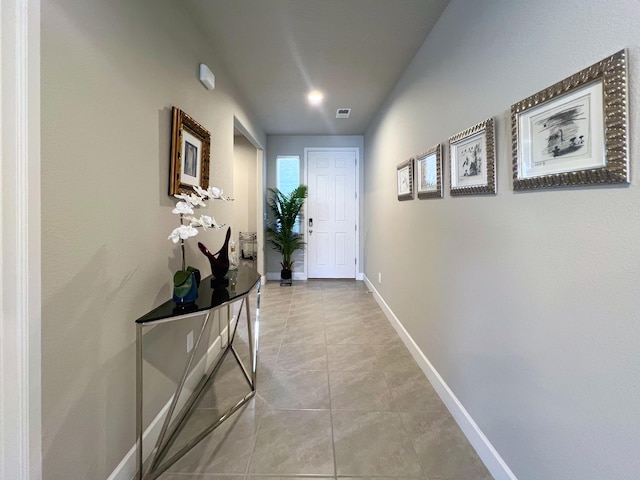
(405, 180)
(574, 132)
(190, 151)
(429, 173)
(472, 159)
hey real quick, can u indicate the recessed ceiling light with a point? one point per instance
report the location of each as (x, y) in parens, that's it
(315, 97)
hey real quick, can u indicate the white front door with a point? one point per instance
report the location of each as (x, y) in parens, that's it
(330, 219)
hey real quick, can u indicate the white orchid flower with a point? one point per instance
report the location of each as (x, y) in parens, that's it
(198, 222)
(182, 233)
(215, 192)
(201, 191)
(193, 221)
(208, 222)
(192, 199)
(196, 200)
(188, 232)
(205, 221)
(183, 208)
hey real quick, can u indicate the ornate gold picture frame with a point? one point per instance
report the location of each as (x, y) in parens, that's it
(429, 173)
(574, 132)
(190, 152)
(472, 158)
(405, 180)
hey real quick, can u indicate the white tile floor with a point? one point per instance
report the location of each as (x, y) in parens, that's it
(338, 395)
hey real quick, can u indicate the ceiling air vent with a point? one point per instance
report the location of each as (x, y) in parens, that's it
(343, 113)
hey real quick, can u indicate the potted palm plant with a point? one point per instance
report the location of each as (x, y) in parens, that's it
(281, 234)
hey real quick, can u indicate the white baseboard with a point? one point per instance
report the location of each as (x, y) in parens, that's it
(128, 467)
(296, 276)
(487, 453)
(302, 276)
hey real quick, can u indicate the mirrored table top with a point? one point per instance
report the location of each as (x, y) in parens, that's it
(211, 293)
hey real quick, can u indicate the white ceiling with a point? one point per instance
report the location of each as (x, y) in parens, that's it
(277, 50)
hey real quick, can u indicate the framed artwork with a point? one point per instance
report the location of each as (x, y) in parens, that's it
(473, 160)
(190, 152)
(429, 173)
(574, 132)
(405, 180)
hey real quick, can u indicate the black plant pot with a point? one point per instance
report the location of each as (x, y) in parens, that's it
(285, 274)
(285, 277)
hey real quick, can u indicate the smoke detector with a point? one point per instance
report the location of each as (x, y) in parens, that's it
(343, 113)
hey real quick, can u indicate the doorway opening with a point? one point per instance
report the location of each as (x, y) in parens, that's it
(248, 193)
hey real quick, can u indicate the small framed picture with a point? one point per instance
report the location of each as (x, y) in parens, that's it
(429, 173)
(190, 152)
(405, 180)
(473, 162)
(574, 132)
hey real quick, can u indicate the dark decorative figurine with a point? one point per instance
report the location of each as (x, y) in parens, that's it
(220, 260)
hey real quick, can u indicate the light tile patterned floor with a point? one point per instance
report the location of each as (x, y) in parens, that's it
(338, 395)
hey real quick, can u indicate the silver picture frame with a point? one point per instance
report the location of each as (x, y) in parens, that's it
(405, 180)
(429, 173)
(472, 159)
(574, 133)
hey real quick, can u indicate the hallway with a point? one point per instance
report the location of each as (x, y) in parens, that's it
(338, 395)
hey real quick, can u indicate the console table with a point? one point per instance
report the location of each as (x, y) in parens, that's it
(212, 296)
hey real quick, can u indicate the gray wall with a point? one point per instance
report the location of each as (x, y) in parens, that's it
(526, 303)
(295, 145)
(111, 71)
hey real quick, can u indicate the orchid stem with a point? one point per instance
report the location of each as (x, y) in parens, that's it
(182, 248)
(184, 265)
